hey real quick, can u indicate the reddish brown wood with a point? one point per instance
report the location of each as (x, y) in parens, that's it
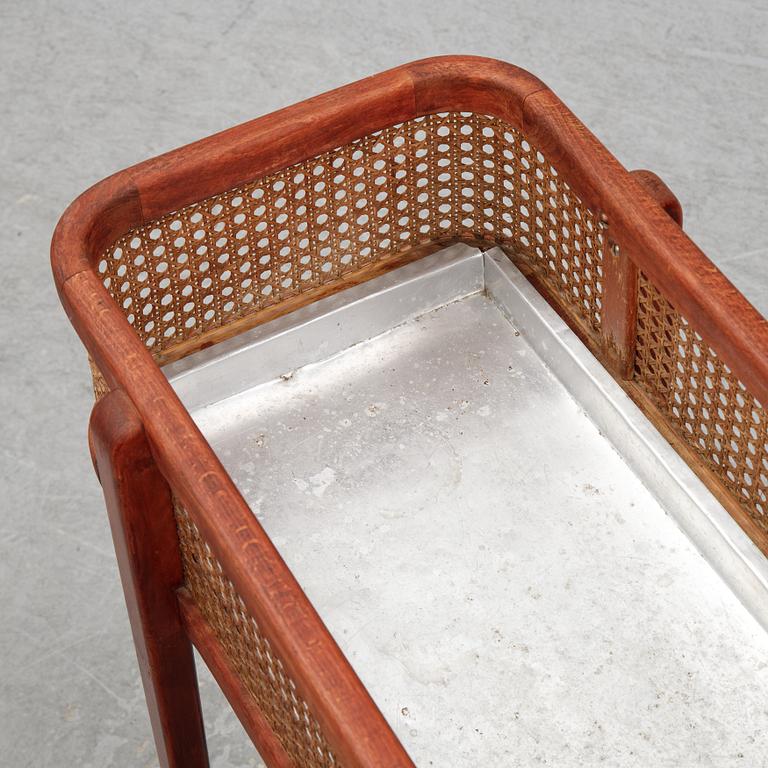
(259, 147)
(619, 308)
(694, 460)
(352, 724)
(256, 726)
(350, 279)
(144, 534)
(689, 280)
(93, 221)
(471, 83)
(661, 193)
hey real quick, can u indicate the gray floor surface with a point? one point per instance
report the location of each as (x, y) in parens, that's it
(87, 88)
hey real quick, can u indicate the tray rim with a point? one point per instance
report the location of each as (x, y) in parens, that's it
(278, 348)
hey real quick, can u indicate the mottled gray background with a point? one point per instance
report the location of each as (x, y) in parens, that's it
(87, 88)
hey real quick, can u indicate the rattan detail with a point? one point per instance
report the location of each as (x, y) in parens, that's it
(438, 177)
(250, 652)
(707, 405)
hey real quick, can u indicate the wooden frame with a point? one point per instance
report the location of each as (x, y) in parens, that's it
(146, 446)
(144, 533)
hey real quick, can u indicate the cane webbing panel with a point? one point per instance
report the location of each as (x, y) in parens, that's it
(250, 652)
(445, 176)
(706, 404)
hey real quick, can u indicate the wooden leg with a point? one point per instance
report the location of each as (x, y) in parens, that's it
(144, 534)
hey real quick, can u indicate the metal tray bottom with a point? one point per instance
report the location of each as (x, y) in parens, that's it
(507, 585)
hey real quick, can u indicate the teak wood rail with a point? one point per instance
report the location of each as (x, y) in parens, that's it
(205, 241)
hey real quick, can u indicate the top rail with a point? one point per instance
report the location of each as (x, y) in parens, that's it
(452, 83)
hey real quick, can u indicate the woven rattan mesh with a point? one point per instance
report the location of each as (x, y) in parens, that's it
(250, 652)
(439, 177)
(706, 404)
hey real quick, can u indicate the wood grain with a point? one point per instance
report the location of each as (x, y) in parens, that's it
(661, 193)
(146, 544)
(619, 307)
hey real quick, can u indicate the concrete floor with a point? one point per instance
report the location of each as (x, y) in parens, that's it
(87, 88)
